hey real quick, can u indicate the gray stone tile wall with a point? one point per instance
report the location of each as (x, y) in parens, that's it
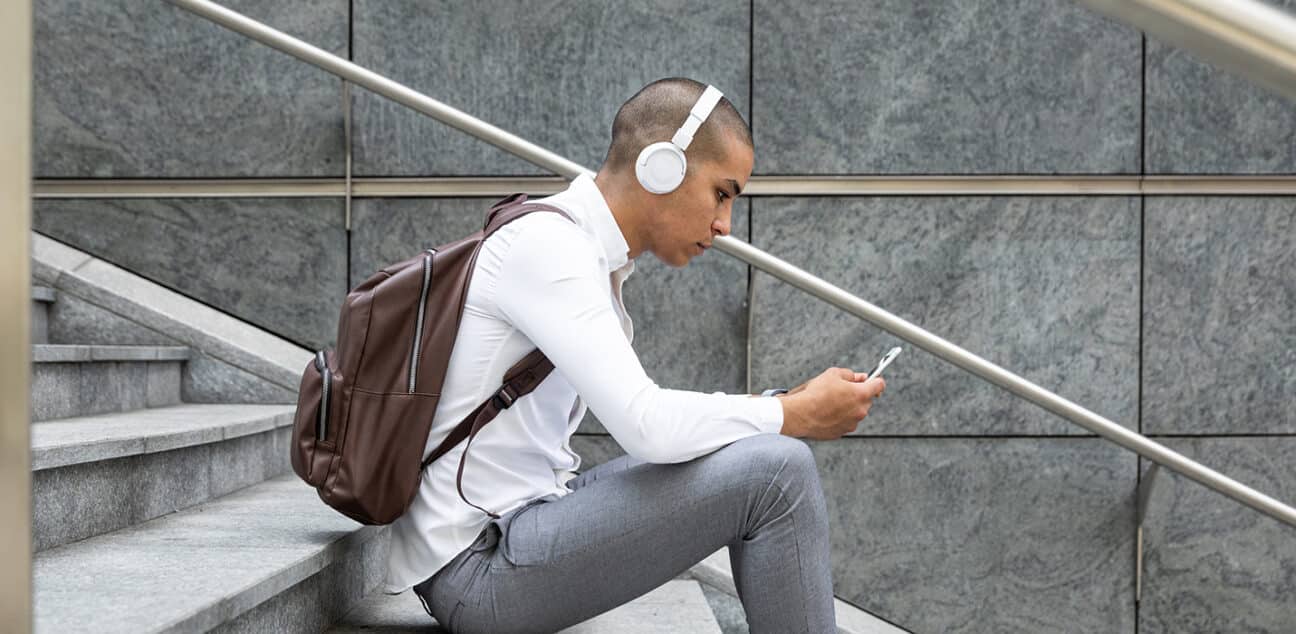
(128, 89)
(1211, 564)
(967, 535)
(388, 230)
(278, 263)
(552, 72)
(969, 87)
(1204, 120)
(690, 323)
(1045, 287)
(1220, 315)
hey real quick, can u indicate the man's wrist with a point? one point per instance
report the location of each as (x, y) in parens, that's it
(774, 392)
(791, 421)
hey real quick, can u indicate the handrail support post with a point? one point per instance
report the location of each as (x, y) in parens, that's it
(1144, 495)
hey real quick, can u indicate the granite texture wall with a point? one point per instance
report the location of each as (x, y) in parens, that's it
(954, 507)
(552, 71)
(969, 87)
(1045, 286)
(1201, 120)
(145, 90)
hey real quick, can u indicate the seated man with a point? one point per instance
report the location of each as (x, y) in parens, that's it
(703, 471)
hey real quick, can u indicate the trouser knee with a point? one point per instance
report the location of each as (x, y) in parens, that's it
(780, 457)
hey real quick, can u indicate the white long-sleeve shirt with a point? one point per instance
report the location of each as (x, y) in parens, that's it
(544, 281)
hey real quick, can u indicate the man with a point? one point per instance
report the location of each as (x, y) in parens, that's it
(703, 471)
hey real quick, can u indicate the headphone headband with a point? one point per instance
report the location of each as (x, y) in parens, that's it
(701, 110)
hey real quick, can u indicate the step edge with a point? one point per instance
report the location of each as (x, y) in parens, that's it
(57, 456)
(88, 353)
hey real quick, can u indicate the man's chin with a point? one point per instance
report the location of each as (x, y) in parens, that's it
(677, 261)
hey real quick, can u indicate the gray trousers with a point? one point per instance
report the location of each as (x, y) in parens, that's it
(627, 527)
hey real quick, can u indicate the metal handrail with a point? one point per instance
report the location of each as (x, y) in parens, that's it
(1250, 38)
(780, 269)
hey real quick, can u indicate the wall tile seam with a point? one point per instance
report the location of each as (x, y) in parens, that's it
(804, 187)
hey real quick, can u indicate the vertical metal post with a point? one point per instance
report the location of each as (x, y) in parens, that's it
(751, 302)
(15, 315)
(1144, 496)
(346, 114)
(751, 299)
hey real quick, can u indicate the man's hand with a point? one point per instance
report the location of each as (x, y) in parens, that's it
(830, 405)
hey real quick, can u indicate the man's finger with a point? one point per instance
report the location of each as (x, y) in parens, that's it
(873, 387)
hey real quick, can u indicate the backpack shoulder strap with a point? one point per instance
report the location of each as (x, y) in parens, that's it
(513, 208)
(520, 380)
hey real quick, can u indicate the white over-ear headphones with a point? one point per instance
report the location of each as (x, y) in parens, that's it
(661, 166)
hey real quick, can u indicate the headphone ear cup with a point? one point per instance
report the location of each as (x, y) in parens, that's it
(660, 167)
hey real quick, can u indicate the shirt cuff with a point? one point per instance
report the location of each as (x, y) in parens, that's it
(767, 413)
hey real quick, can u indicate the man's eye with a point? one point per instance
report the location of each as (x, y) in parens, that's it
(723, 194)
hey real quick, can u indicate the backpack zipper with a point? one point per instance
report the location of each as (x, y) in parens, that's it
(418, 325)
(321, 427)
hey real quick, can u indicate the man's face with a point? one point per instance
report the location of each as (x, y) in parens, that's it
(691, 216)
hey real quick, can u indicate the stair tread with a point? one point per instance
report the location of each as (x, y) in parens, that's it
(676, 606)
(66, 441)
(194, 569)
(72, 353)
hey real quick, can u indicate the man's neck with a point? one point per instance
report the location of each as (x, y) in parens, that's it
(620, 199)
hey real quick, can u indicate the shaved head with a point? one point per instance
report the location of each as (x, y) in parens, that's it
(658, 110)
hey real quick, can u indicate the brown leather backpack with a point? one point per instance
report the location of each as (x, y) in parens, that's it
(365, 409)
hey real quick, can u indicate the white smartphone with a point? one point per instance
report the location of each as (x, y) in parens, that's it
(886, 360)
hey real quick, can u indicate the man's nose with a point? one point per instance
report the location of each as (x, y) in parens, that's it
(720, 227)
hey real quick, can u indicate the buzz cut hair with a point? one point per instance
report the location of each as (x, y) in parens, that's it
(659, 109)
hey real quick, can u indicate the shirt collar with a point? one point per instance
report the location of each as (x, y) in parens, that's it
(591, 212)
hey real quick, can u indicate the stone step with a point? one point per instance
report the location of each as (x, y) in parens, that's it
(96, 474)
(42, 297)
(268, 558)
(79, 380)
(676, 607)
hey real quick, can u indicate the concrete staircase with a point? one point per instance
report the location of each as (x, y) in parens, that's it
(163, 496)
